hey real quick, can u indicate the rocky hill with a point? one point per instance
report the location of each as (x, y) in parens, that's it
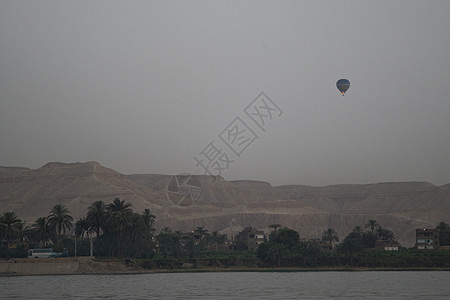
(184, 202)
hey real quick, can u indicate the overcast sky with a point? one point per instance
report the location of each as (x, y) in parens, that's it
(148, 86)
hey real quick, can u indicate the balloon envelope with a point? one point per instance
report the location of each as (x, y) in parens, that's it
(343, 85)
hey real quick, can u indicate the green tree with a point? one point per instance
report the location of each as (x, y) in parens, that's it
(96, 216)
(201, 235)
(351, 244)
(21, 229)
(165, 240)
(119, 217)
(330, 236)
(61, 219)
(287, 237)
(176, 237)
(349, 247)
(283, 243)
(274, 226)
(271, 251)
(166, 230)
(138, 236)
(8, 221)
(444, 234)
(82, 227)
(149, 219)
(308, 248)
(43, 231)
(218, 238)
(373, 225)
(385, 234)
(357, 230)
(368, 239)
(190, 247)
(120, 231)
(200, 232)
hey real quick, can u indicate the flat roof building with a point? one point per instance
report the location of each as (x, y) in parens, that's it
(427, 239)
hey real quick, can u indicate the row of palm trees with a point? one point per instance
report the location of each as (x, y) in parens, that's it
(285, 243)
(358, 239)
(329, 236)
(175, 242)
(43, 231)
(118, 229)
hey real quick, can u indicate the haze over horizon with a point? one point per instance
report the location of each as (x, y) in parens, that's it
(143, 87)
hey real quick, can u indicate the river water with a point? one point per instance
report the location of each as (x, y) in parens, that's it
(232, 285)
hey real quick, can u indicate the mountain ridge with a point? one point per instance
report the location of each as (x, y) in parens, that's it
(227, 206)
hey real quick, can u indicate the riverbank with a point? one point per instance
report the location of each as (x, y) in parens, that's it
(89, 265)
(66, 266)
(44, 266)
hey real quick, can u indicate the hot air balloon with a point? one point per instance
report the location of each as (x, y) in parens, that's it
(343, 85)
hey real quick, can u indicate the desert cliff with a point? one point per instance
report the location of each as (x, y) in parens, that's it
(184, 202)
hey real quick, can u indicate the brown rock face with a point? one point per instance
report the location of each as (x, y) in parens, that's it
(184, 202)
(32, 193)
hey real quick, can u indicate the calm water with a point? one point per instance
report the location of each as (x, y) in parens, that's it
(253, 285)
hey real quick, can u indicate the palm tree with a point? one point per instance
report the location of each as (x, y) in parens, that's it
(21, 231)
(176, 236)
(119, 206)
(166, 230)
(218, 238)
(276, 252)
(148, 217)
(274, 226)
(357, 230)
(165, 240)
(329, 236)
(8, 221)
(43, 230)
(136, 236)
(442, 226)
(96, 216)
(149, 220)
(444, 234)
(82, 227)
(119, 217)
(200, 232)
(349, 246)
(385, 234)
(190, 247)
(373, 225)
(61, 219)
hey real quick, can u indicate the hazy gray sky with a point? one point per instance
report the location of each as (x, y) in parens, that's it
(145, 86)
